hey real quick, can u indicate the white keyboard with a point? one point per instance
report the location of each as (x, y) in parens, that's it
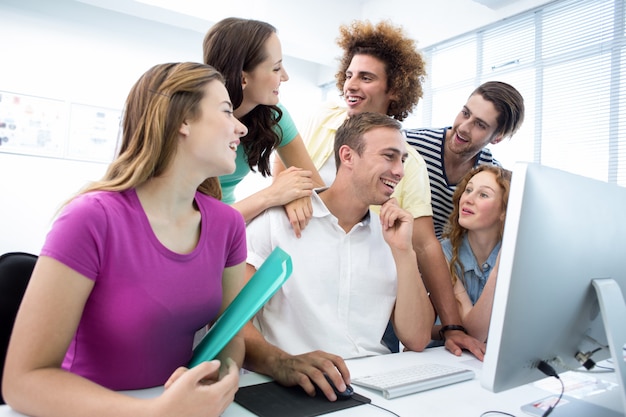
(416, 378)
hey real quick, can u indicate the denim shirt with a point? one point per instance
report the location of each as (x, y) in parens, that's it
(474, 279)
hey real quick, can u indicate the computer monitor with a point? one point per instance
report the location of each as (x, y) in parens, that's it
(563, 233)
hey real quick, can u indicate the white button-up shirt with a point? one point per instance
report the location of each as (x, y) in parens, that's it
(342, 290)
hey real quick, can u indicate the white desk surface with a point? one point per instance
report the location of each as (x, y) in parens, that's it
(462, 399)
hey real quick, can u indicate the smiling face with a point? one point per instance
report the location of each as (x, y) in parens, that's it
(474, 128)
(365, 88)
(481, 205)
(260, 86)
(379, 168)
(211, 139)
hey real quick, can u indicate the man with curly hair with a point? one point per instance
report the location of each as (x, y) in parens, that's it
(382, 71)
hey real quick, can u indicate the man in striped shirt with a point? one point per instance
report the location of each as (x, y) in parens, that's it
(493, 112)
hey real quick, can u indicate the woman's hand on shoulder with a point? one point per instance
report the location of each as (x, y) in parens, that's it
(291, 184)
(299, 213)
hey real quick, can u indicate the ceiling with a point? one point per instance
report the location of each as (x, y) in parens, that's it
(308, 29)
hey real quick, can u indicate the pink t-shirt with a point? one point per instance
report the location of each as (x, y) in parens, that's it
(139, 321)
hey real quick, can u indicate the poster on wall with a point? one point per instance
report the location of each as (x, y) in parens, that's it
(93, 133)
(32, 125)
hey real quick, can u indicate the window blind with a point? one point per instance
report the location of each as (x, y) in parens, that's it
(568, 60)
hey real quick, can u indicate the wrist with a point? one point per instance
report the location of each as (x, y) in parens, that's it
(404, 255)
(449, 328)
(275, 363)
(270, 197)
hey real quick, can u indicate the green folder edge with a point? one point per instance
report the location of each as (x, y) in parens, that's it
(270, 276)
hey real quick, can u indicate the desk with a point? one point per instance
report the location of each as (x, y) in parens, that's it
(462, 399)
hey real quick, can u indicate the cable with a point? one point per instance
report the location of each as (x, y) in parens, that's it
(597, 342)
(502, 413)
(548, 370)
(384, 409)
(603, 370)
(377, 406)
(584, 358)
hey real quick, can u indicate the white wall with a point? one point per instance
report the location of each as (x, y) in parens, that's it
(78, 53)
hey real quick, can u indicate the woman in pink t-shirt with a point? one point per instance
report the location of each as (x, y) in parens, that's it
(138, 262)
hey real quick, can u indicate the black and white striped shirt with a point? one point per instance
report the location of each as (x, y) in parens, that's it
(429, 144)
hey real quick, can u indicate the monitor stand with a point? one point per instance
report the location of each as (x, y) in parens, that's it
(613, 309)
(610, 403)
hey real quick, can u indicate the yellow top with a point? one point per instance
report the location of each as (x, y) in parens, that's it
(412, 192)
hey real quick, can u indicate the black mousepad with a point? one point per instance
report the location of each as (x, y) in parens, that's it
(271, 399)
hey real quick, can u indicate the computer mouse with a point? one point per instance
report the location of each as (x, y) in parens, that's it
(341, 395)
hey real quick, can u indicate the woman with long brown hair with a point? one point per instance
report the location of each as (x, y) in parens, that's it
(138, 262)
(248, 53)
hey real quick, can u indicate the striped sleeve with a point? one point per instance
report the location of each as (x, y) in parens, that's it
(429, 144)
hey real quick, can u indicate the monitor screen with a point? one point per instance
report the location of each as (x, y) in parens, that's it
(561, 232)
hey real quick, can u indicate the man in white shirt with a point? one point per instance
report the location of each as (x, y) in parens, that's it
(381, 70)
(353, 271)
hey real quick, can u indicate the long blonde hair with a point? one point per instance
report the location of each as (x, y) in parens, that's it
(159, 102)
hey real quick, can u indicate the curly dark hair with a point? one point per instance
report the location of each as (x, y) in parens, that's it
(234, 45)
(404, 64)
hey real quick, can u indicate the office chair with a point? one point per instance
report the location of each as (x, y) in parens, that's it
(15, 271)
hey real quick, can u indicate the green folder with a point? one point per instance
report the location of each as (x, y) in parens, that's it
(270, 276)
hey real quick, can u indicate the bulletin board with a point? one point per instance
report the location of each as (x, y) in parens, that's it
(41, 126)
(93, 133)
